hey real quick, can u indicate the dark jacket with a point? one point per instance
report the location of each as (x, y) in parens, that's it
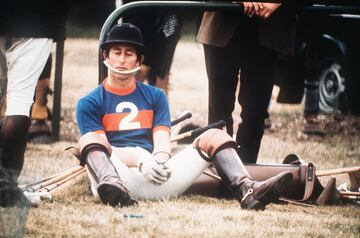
(36, 19)
(277, 32)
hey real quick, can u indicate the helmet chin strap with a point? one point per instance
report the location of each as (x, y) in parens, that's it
(123, 72)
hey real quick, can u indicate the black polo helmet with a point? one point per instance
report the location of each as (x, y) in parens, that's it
(124, 33)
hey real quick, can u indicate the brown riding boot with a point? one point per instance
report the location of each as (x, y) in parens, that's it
(219, 149)
(251, 194)
(39, 109)
(110, 188)
(39, 131)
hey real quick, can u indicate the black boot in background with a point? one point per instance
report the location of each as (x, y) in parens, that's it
(13, 139)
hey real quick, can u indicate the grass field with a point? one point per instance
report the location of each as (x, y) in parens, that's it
(75, 213)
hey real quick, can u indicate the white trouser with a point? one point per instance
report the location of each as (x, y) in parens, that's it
(21, 63)
(186, 167)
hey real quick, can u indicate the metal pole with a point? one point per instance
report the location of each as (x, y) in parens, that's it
(57, 90)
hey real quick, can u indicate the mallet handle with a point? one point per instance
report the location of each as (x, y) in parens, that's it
(337, 171)
(26, 186)
(346, 193)
(198, 131)
(52, 186)
(61, 176)
(181, 118)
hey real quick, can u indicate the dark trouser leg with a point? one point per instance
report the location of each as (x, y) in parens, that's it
(10, 194)
(110, 188)
(222, 69)
(312, 58)
(13, 139)
(352, 83)
(256, 84)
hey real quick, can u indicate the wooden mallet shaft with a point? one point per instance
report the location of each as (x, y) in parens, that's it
(25, 186)
(52, 186)
(337, 171)
(61, 176)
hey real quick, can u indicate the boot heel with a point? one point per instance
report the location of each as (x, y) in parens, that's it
(254, 205)
(112, 195)
(280, 182)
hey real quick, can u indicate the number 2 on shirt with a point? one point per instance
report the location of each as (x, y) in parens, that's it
(128, 123)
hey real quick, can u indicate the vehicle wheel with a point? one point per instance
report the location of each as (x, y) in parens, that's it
(331, 86)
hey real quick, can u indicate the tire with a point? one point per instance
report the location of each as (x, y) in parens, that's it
(331, 86)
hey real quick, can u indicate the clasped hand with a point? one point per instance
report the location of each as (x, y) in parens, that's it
(260, 9)
(156, 173)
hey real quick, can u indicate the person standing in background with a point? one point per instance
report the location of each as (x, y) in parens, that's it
(27, 32)
(245, 44)
(162, 31)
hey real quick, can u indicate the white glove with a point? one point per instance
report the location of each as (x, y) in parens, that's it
(153, 172)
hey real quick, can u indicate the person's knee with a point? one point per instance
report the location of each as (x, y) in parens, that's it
(92, 141)
(212, 141)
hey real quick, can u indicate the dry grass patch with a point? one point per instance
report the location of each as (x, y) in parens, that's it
(188, 217)
(75, 213)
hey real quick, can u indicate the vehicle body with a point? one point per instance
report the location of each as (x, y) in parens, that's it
(326, 64)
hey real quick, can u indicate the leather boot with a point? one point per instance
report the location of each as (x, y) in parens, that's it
(251, 194)
(13, 139)
(39, 131)
(110, 188)
(39, 109)
(10, 194)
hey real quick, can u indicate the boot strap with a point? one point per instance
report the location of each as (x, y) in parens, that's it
(249, 192)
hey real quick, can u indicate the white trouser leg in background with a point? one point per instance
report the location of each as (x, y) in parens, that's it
(25, 60)
(186, 167)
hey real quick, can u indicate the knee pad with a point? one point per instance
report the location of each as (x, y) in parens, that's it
(211, 141)
(92, 141)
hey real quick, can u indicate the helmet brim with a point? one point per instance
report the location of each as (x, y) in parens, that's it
(107, 45)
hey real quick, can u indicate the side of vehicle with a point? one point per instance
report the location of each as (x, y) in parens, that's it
(325, 67)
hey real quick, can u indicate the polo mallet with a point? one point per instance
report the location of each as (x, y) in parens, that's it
(181, 118)
(198, 131)
(46, 188)
(56, 185)
(27, 186)
(337, 171)
(354, 178)
(37, 186)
